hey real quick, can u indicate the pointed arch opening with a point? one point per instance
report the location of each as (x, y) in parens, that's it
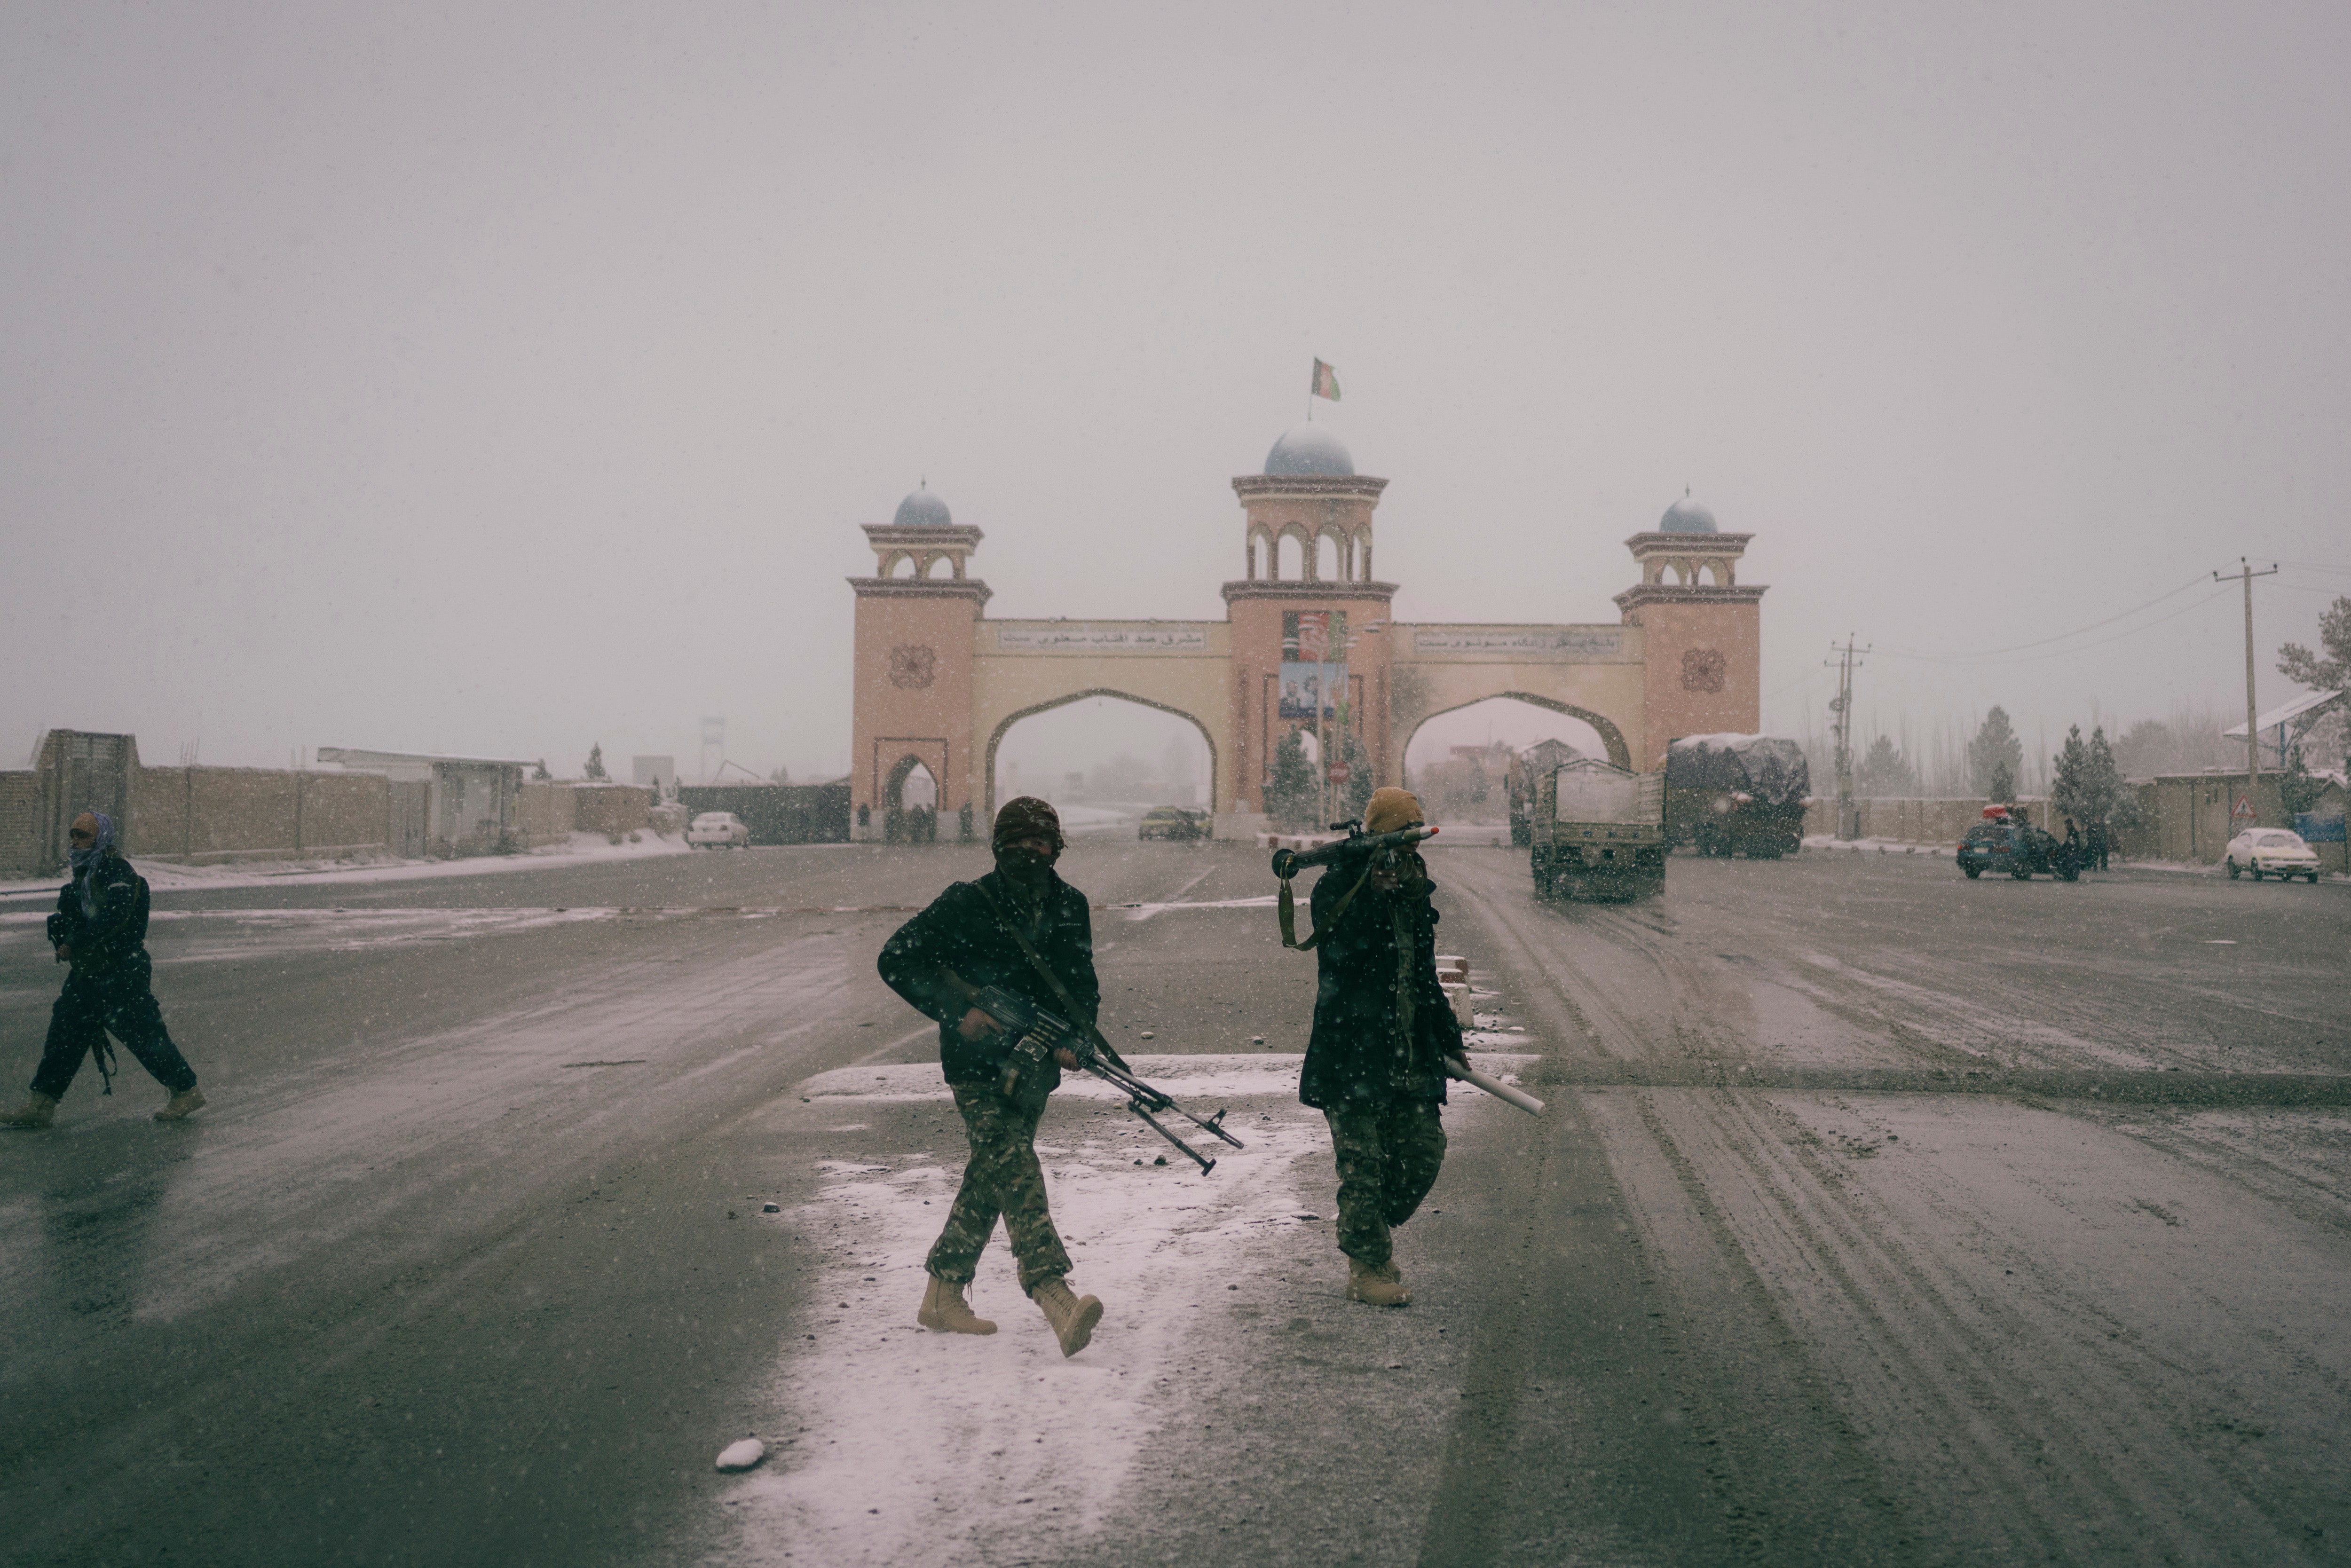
(1460, 760)
(1105, 749)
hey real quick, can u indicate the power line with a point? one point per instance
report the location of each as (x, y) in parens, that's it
(2079, 631)
(2061, 653)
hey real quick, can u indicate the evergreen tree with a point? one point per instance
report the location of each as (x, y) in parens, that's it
(1355, 795)
(1885, 773)
(2297, 790)
(2330, 734)
(2071, 790)
(1290, 795)
(2105, 780)
(540, 771)
(1994, 756)
(595, 769)
(2330, 672)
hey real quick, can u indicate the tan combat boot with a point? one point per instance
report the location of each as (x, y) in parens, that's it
(1380, 1285)
(37, 1111)
(1073, 1317)
(943, 1310)
(183, 1104)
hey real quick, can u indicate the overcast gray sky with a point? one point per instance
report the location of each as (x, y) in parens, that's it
(499, 380)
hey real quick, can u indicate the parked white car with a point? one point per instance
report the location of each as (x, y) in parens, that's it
(718, 830)
(2272, 851)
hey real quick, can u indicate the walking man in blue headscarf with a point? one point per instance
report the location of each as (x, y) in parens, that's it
(99, 930)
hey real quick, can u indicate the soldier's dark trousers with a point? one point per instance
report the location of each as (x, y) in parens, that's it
(1389, 1156)
(118, 999)
(1003, 1178)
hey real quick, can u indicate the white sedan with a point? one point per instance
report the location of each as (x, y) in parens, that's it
(2272, 851)
(718, 830)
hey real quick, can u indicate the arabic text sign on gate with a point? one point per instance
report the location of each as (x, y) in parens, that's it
(1568, 643)
(1083, 639)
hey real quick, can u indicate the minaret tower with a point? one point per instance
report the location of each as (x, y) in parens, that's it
(1702, 638)
(916, 619)
(1310, 498)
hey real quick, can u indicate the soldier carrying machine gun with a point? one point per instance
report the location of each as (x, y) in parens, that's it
(1041, 1033)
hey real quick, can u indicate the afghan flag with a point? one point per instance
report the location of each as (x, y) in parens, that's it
(1326, 382)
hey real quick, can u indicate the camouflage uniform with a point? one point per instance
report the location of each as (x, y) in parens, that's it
(961, 931)
(1382, 1023)
(1005, 1178)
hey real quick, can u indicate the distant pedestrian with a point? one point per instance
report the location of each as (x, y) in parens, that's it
(2100, 844)
(1383, 1025)
(99, 930)
(1023, 929)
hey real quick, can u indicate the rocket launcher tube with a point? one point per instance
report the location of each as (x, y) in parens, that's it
(1460, 1071)
(1288, 863)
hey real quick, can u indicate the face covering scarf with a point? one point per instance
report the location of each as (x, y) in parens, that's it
(86, 863)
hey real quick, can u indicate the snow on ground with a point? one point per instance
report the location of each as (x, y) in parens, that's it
(164, 876)
(892, 1445)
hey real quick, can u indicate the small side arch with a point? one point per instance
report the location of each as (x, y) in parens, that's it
(995, 739)
(894, 785)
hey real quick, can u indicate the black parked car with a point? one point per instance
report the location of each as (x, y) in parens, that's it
(2019, 849)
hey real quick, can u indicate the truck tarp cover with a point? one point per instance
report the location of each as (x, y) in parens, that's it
(1771, 768)
(1593, 791)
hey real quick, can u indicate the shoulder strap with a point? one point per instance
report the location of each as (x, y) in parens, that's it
(1037, 961)
(1288, 912)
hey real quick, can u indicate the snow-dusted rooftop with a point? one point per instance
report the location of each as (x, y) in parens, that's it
(1310, 451)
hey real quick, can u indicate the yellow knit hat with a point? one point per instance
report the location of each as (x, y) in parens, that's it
(1392, 811)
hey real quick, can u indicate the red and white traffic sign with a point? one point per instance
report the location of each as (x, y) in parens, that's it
(2243, 808)
(1339, 772)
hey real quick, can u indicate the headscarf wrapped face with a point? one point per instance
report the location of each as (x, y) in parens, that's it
(86, 861)
(1019, 819)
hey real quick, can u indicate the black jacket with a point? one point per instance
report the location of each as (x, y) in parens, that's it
(959, 932)
(1363, 1052)
(119, 927)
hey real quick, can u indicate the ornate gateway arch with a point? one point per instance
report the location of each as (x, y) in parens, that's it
(1307, 627)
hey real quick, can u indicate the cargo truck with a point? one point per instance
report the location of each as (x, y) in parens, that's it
(1737, 794)
(1598, 832)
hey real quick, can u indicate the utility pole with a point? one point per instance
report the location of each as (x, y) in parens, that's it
(2252, 737)
(1848, 823)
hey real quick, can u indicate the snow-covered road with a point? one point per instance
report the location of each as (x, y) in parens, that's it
(894, 1447)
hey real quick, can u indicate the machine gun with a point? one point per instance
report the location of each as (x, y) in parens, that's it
(1037, 1034)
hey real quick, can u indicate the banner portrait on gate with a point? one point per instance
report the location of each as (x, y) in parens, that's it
(1313, 682)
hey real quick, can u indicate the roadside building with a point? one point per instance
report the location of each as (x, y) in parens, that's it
(472, 803)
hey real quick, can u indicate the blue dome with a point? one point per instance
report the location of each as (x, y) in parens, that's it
(1687, 516)
(922, 510)
(1310, 451)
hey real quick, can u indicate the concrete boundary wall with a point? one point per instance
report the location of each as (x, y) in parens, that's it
(20, 793)
(1919, 822)
(609, 809)
(202, 816)
(544, 813)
